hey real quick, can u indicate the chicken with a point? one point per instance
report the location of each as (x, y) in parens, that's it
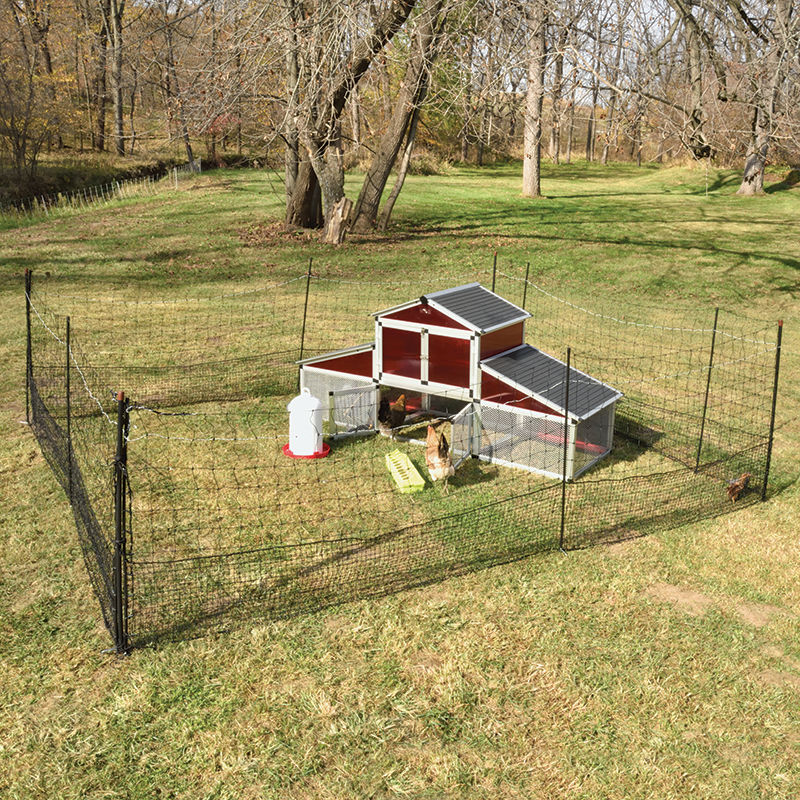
(397, 411)
(384, 416)
(736, 488)
(437, 457)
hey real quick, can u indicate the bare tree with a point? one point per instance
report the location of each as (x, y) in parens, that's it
(333, 61)
(537, 13)
(426, 39)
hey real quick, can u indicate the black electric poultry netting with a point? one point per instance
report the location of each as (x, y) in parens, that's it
(190, 515)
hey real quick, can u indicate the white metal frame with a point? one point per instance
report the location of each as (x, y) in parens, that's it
(412, 385)
(524, 411)
(336, 373)
(571, 431)
(417, 327)
(345, 351)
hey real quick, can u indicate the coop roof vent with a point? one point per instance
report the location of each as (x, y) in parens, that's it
(542, 376)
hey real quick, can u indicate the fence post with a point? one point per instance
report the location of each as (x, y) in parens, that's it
(28, 353)
(305, 313)
(69, 416)
(494, 270)
(566, 447)
(120, 469)
(525, 289)
(708, 386)
(772, 412)
(175, 176)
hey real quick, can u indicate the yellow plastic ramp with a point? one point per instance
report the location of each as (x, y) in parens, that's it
(405, 474)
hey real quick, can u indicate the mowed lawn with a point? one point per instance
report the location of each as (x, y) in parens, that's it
(664, 667)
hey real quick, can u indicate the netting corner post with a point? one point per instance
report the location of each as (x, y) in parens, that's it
(565, 454)
(28, 353)
(121, 642)
(768, 461)
(708, 388)
(68, 392)
(494, 270)
(305, 316)
(525, 285)
(475, 433)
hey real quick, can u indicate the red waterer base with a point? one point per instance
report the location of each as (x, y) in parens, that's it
(326, 449)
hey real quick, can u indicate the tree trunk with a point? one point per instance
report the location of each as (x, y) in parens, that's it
(612, 101)
(753, 177)
(320, 134)
(413, 90)
(117, 9)
(537, 54)
(304, 208)
(336, 226)
(99, 84)
(291, 137)
(558, 83)
(173, 72)
(132, 109)
(766, 102)
(571, 121)
(402, 171)
(467, 104)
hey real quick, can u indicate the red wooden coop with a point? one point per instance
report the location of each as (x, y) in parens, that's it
(461, 353)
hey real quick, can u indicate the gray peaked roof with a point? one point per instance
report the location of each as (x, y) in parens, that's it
(542, 376)
(471, 305)
(478, 307)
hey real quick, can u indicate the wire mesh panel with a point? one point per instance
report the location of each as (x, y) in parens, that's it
(226, 527)
(522, 439)
(321, 383)
(461, 432)
(353, 410)
(594, 438)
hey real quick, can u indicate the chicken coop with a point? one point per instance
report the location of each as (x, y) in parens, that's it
(460, 353)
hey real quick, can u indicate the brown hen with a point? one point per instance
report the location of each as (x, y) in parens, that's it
(736, 488)
(437, 457)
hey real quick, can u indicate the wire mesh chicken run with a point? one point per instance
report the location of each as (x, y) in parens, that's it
(164, 422)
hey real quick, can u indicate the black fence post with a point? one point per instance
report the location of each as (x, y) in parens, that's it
(566, 448)
(494, 270)
(305, 314)
(69, 415)
(772, 412)
(708, 387)
(28, 354)
(525, 289)
(120, 496)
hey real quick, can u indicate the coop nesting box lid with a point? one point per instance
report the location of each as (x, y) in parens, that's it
(542, 377)
(472, 305)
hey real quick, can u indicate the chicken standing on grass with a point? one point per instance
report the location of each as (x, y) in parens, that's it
(437, 457)
(737, 487)
(397, 411)
(391, 415)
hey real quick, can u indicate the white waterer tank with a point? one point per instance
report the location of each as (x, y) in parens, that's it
(305, 427)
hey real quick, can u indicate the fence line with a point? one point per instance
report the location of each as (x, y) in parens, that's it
(230, 530)
(45, 205)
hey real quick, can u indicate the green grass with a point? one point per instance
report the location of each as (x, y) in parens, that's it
(667, 666)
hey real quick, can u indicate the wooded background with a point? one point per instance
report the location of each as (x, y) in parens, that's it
(322, 86)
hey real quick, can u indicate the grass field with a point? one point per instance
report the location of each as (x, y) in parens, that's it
(668, 666)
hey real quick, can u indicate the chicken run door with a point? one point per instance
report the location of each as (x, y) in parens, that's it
(461, 434)
(352, 411)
